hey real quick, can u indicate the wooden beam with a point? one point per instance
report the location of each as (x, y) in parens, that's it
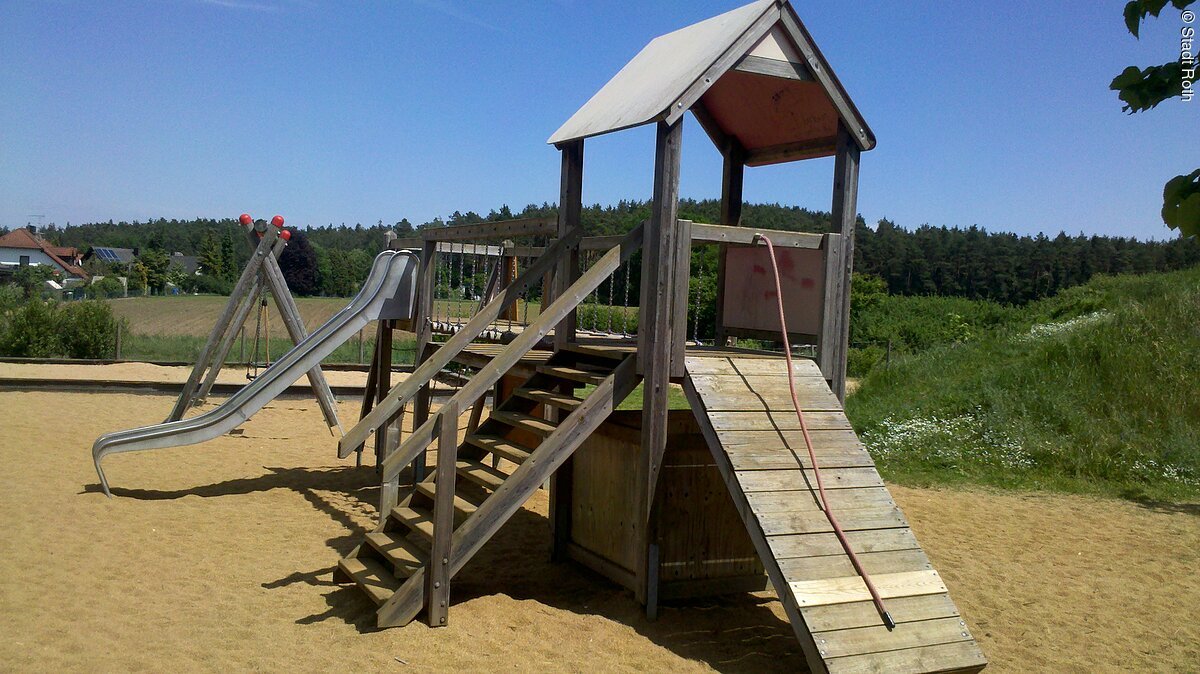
(757, 65)
(711, 127)
(844, 216)
(389, 490)
(732, 177)
(570, 210)
(438, 578)
(830, 336)
(501, 229)
(655, 337)
(806, 149)
(745, 236)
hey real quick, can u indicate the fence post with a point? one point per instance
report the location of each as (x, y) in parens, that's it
(360, 347)
(118, 344)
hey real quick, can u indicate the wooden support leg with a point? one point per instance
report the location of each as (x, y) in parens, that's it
(389, 491)
(438, 578)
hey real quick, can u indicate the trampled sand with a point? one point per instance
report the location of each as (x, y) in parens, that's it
(220, 556)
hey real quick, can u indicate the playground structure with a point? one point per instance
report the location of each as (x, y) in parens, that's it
(261, 275)
(671, 503)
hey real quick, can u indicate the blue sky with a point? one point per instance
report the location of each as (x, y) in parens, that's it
(996, 114)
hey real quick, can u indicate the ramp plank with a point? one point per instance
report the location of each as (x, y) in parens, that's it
(852, 588)
(745, 412)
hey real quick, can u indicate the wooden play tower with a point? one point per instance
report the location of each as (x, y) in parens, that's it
(670, 503)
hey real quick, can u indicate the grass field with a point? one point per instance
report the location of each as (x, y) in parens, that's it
(1093, 390)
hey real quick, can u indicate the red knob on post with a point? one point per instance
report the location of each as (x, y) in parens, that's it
(286, 235)
(245, 219)
(277, 221)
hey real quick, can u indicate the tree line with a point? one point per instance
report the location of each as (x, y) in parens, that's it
(952, 261)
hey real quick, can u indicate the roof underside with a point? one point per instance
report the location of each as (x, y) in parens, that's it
(752, 77)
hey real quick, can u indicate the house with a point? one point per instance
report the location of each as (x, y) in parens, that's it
(119, 257)
(188, 264)
(23, 247)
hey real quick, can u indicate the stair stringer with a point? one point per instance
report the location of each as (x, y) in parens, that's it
(499, 507)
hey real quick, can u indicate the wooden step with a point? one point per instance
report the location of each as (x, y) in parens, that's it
(403, 554)
(615, 354)
(560, 400)
(419, 521)
(372, 576)
(513, 451)
(524, 421)
(481, 474)
(572, 374)
(462, 507)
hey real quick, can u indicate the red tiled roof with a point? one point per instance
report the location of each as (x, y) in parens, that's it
(23, 238)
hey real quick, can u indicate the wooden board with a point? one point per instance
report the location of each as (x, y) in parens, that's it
(745, 413)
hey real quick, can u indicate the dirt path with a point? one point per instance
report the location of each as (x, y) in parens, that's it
(220, 556)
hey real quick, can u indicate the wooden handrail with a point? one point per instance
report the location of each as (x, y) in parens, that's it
(500, 229)
(483, 380)
(404, 391)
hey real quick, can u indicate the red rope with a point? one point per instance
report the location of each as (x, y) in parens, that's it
(812, 455)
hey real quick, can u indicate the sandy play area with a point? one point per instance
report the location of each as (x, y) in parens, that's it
(219, 557)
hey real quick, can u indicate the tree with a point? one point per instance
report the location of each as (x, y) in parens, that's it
(299, 265)
(211, 260)
(1143, 89)
(155, 262)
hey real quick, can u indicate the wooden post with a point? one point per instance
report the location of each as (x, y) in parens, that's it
(438, 578)
(242, 344)
(361, 347)
(731, 214)
(844, 215)
(570, 211)
(656, 337)
(389, 491)
(425, 286)
(117, 355)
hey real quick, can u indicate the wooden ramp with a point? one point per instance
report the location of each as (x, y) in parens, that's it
(746, 414)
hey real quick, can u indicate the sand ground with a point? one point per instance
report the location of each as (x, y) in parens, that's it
(151, 373)
(219, 557)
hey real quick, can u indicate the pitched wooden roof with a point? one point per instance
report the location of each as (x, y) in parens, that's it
(23, 238)
(751, 76)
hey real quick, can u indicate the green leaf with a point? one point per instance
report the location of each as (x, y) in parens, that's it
(1133, 17)
(1187, 217)
(1128, 77)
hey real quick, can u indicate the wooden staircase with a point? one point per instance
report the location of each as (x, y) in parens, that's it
(492, 472)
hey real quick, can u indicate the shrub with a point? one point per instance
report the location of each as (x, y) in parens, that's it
(205, 284)
(31, 331)
(106, 288)
(87, 329)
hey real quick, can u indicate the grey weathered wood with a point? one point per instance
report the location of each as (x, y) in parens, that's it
(438, 588)
(404, 605)
(512, 353)
(819, 68)
(679, 303)
(502, 229)
(844, 215)
(794, 151)
(238, 321)
(829, 340)
(757, 65)
(742, 44)
(732, 179)
(434, 363)
(204, 360)
(570, 209)
(290, 313)
(745, 236)
(389, 490)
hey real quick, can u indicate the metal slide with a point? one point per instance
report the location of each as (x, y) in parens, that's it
(391, 275)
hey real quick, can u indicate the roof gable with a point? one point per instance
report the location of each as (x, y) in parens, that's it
(763, 45)
(20, 238)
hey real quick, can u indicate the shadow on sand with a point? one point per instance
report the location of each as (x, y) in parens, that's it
(737, 632)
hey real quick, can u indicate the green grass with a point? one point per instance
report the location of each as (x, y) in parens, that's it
(1091, 391)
